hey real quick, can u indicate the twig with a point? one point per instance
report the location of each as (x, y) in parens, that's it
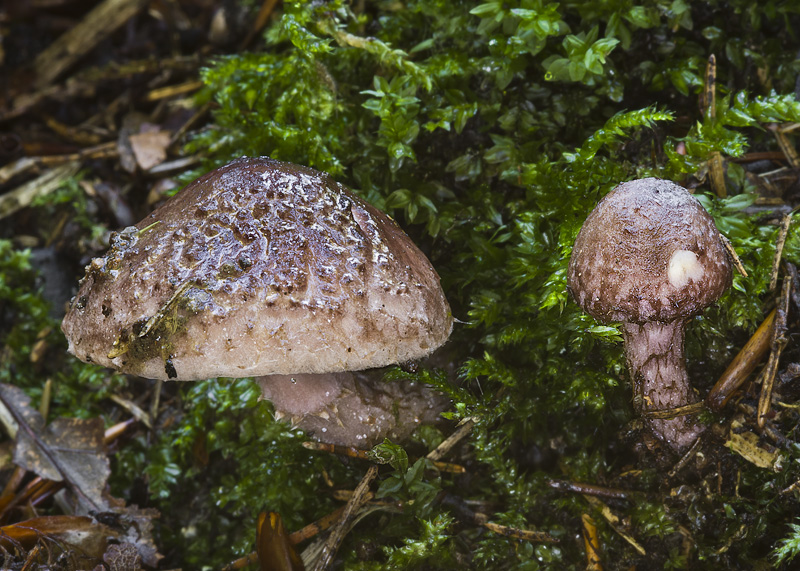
(785, 144)
(675, 412)
(133, 408)
(264, 14)
(83, 83)
(448, 443)
(776, 262)
(778, 343)
(320, 525)
(173, 90)
(708, 102)
(716, 164)
(716, 169)
(191, 122)
(590, 489)
(360, 497)
(615, 523)
(791, 488)
(737, 263)
(742, 365)
(459, 507)
(685, 458)
(24, 194)
(96, 25)
(156, 403)
(760, 156)
(792, 271)
(516, 533)
(25, 164)
(44, 404)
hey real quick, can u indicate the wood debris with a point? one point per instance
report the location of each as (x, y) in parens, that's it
(748, 445)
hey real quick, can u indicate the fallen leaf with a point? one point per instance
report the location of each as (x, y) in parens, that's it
(73, 450)
(69, 449)
(80, 533)
(16, 398)
(150, 148)
(748, 446)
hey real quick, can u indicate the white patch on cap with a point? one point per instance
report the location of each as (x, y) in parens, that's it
(683, 266)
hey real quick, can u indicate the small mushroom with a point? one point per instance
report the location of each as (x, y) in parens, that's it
(651, 257)
(258, 268)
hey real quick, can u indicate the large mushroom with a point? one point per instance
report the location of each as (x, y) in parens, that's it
(259, 268)
(650, 256)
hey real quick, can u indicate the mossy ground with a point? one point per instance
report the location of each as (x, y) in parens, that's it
(488, 131)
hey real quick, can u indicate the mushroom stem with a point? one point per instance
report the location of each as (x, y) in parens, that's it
(654, 351)
(352, 408)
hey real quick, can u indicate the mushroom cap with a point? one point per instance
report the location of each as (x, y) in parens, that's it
(258, 268)
(648, 251)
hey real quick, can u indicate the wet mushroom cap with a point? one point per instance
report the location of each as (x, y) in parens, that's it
(258, 268)
(648, 251)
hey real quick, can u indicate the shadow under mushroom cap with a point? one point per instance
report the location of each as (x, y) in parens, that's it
(258, 268)
(353, 409)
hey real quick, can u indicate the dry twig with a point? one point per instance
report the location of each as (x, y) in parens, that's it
(464, 428)
(97, 25)
(776, 262)
(615, 523)
(742, 365)
(778, 343)
(360, 497)
(590, 489)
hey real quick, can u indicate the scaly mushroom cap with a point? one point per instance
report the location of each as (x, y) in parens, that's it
(258, 268)
(648, 251)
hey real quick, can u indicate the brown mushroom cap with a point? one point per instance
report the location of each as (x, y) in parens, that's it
(258, 268)
(648, 251)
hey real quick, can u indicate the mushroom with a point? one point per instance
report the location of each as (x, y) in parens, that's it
(650, 256)
(258, 268)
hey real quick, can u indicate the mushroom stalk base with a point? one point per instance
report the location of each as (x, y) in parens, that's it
(658, 372)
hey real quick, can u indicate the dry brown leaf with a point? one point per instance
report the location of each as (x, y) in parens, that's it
(150, 148)
(749, 446)
(21, 403)
(80, 533)
(70, 449)
(73, 450)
